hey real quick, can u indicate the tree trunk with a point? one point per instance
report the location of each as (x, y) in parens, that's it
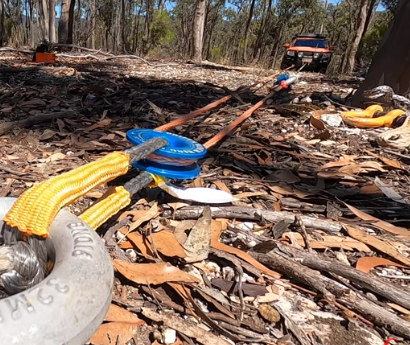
(262, 32)
(124, 38)
(247, 27)
(370, 13)
(31, 24)
(45, 20)
(148, 21)
(275, 48)
(2, 35)
(92, 7)
(118, 27)
(52, 20)
(391, 63)
(63, 22)
(360, 26)
(137, 29)
(198, 30)
(70, 38)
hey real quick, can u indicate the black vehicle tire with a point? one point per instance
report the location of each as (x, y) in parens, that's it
(68, 306)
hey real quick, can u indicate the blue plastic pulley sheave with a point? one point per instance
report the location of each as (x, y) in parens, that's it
(284, 76)
(179, 148)
(69, 305)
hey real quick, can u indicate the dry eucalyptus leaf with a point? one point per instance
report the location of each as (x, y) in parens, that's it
(153, 273)
(198, 242)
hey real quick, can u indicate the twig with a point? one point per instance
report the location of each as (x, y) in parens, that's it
(6, 190)
(239, 271)
(304, 233)
(152, 243)
(249, 213)
(214, 316)
(251, 336)
(397, 154)
(339, 104)
(361, 318)
(111, 231)
(12, 171)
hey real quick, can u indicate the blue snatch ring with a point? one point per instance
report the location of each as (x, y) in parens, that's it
(179, 146)
(168, 171)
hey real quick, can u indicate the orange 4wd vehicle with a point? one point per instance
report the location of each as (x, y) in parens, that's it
(310, 49)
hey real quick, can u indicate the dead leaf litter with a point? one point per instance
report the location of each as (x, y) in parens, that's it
(313, 250)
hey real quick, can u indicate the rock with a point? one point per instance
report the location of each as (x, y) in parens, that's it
(333, 120)
(169, 336)
(269, 313)
(306, 99)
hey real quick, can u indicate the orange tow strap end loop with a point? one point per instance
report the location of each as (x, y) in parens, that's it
(284, 85)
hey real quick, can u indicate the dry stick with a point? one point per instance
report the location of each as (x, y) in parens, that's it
(82, 48)
(379, 315)
(212, 315)
(237, 264)
(374, 284)
(304, 233)
(250, 213)
(9, 49)
(7, 126)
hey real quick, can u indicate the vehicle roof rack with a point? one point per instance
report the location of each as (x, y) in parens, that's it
(309, 35)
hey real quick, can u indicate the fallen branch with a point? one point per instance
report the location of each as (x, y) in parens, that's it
(9, 49)
(377, 314)
(7, 126)
(366, 281)
(81, 48)
(87, 56)
(92, 56)
(248, 213)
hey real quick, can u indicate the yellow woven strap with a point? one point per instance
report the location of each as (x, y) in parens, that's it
(34, 211)
(108, 205)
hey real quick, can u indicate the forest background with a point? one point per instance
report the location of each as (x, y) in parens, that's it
(235, 32)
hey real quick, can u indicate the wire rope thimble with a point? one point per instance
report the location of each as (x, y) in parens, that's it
(178, 160)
